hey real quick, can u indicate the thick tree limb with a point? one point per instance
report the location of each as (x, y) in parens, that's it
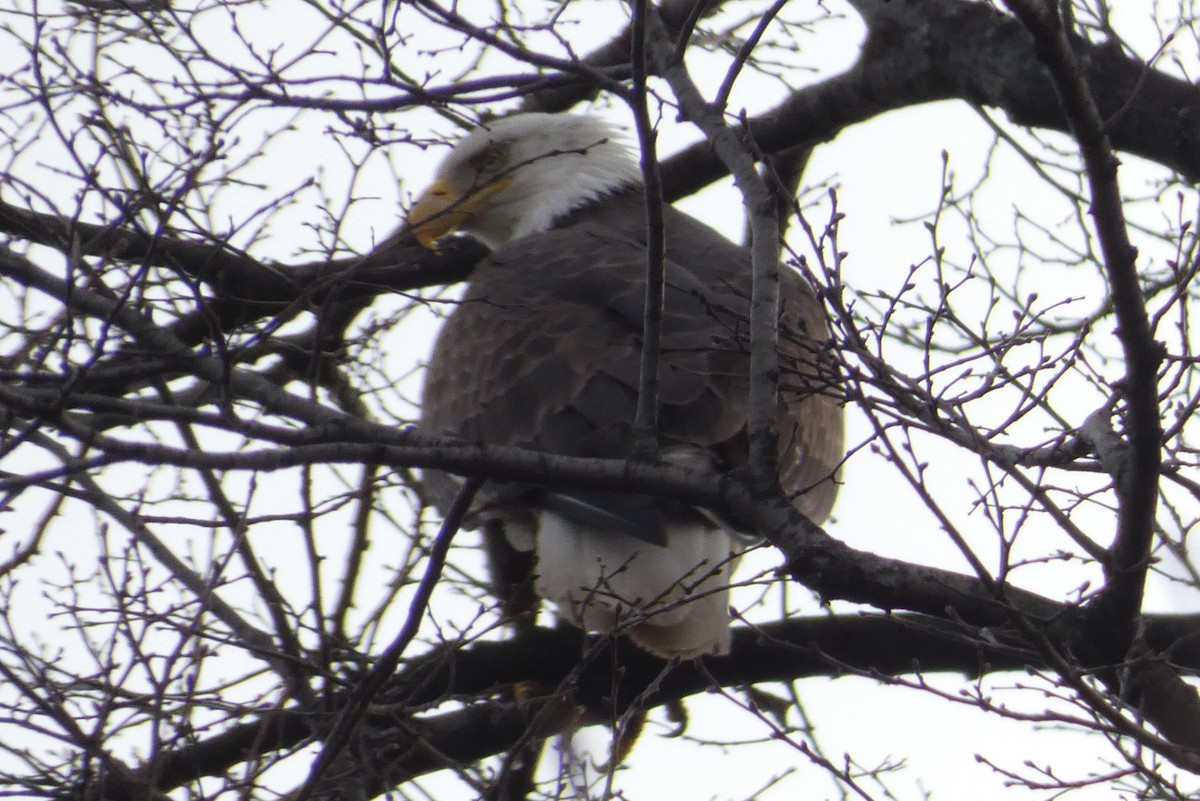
(878, 646)
(926, 50)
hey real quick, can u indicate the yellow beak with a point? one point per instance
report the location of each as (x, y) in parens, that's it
(442, 209)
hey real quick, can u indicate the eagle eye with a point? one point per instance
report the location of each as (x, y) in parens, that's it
(488, 159)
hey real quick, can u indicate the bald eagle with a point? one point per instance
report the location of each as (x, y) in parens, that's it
(543, 352)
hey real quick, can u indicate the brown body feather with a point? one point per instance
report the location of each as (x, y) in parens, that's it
(544, 352)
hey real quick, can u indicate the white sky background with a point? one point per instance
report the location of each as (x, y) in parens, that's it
(886, 170)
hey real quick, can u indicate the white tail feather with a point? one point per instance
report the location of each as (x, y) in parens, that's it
(675, 599)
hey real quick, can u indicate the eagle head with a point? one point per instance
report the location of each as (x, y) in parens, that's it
(517, 175)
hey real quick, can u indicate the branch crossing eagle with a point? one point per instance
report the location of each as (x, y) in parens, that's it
(544, 350)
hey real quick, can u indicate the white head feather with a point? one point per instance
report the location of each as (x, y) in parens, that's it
(551, 164)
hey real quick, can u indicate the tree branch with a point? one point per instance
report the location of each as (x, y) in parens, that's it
(763, 405)
(1117, 606)
(878, 646)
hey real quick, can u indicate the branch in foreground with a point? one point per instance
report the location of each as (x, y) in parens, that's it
(342, 287)
(551, 660)
(878, 646)
(761, 431)
(820, 562)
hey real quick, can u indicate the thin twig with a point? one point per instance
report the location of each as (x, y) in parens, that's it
(764, 250)
(645, 424)
(386, 662)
